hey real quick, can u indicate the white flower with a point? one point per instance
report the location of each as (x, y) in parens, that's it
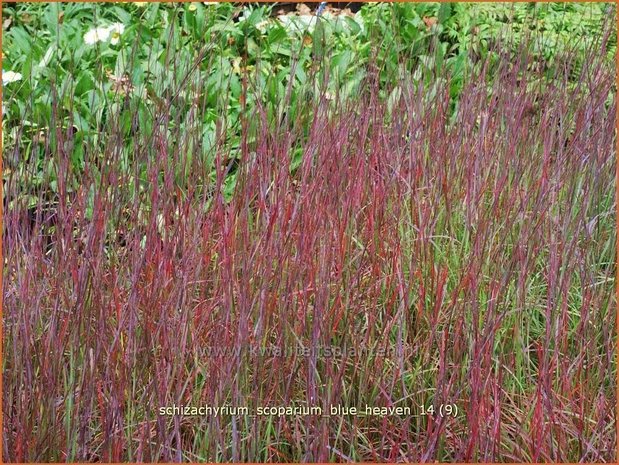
(105, 33)
(10, 76)
(300, 24)
(116, 30)
(99, 34)
(192, 7)
(262, 26)
(140, 4)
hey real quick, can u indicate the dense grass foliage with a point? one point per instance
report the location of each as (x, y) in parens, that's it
(188, 236)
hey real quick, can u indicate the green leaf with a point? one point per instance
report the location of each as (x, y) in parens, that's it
(444, 12)
(353, 26)
(19, 38)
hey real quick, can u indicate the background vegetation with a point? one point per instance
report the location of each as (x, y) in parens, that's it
(213, 45)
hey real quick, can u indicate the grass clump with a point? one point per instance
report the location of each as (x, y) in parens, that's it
(395, 246)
